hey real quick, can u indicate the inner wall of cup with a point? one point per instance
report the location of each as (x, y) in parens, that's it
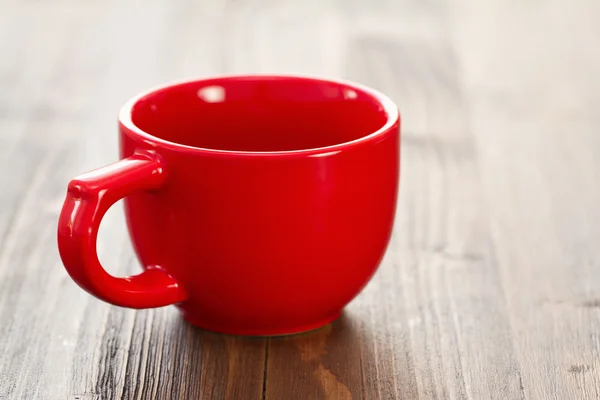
(259, 114)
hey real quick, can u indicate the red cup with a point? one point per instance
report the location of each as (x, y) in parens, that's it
(258, 205)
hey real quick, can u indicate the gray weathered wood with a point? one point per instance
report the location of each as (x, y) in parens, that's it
(489, 289)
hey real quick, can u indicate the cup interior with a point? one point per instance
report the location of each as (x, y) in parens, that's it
(258, 113)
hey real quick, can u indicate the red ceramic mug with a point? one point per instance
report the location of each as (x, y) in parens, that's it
(258, 205)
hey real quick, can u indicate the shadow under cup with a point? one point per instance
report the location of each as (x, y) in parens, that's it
(258, 205)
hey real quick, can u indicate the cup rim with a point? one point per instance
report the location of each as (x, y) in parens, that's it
(390, 109)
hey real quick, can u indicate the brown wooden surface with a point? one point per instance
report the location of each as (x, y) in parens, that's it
(491, 286)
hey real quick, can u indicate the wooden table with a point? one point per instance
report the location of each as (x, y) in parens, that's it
(491, 285)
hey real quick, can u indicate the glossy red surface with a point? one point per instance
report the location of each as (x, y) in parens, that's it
(259, 205)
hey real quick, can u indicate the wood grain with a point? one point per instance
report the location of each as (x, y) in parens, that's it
(489, 289)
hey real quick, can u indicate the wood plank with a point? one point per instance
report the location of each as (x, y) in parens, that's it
(531, 86)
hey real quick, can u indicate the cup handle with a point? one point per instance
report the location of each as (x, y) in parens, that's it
(88, 198)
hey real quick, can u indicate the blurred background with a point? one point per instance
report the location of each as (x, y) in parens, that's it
(490, 286)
